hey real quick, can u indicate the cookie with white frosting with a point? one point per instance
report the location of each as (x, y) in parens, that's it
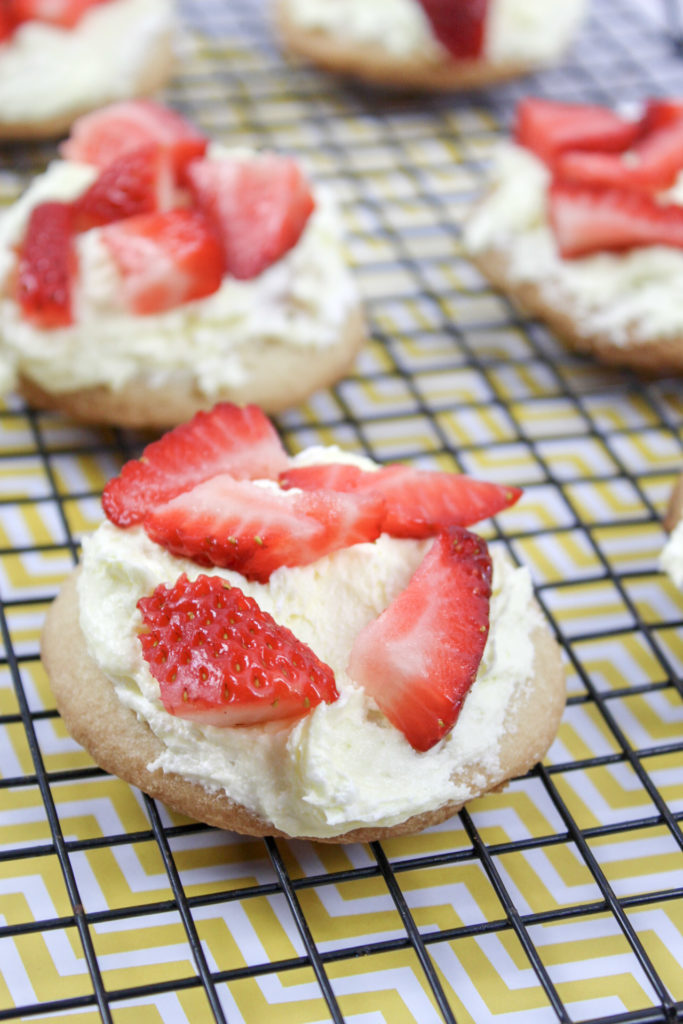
(311, 646)
(150, 273)
(428, 44)
(581, 225)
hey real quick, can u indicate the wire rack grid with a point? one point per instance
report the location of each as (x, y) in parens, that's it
(558, 899)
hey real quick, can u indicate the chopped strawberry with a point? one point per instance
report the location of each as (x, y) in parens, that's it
(659, 113)
(419, 658)
(7, 23)
(64, 13)
(651, 165)
(138, 181)
(220, 660)
(548, 128)
(241, 525)
(47, 266)
(259, 207)
(458, 26)
(588, 219)
(418, 503)
(228, 439)
(164, 259)
(101, 136)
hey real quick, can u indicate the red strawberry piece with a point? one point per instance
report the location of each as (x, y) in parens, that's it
(228, 439)
(652, 164)
(164, 259)
(660, 113)
(7, 23)
(64, 13)
(418, 503)
(419, 658)
(47, 266)
(103, 135)
(139, 181)
(548, 128)
(258, 207)
(220, 660)
(458, 26)
(240, 525)
(588, 219)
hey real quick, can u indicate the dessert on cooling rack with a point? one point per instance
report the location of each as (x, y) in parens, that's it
(582, 226)
(309, 646)
(429, 44)
(150, 273)
(61, 58)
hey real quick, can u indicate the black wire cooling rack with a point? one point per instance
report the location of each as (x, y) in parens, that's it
(559, 899)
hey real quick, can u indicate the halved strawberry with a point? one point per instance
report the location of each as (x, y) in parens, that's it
(418, 503)
(47, 266)
(221, 660)
(139, 181)
(164, 259)
(548, 128)
(228, 439)
(241, 525)
(419, 658)
(458, 26)
(64, 13)
(589, 219)
(258, 207)
(101, 136)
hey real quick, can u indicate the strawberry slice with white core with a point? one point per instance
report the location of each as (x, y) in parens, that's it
(418, 503)
(221, 660)
(258, 207)
(549, 128)
(103, 135)
(254, 529)
(47, 266)
(139, 181)
(459, 26)
(164, 259)
(420, 657)
(589, 219)
(227, 439)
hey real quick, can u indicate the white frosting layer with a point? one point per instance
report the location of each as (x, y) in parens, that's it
(47, 72)
(302, 300)
(524, 30)
(631, 297)
(342, 766)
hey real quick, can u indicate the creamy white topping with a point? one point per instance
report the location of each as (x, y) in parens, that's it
(47, 72)
(524, 30)
(301, 301)
(632, 297)
(344, 765)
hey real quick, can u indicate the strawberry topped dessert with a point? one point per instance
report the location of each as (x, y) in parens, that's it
(150, 273)
(429, 44)
(307, 646)
(583, 226)
(62, 58)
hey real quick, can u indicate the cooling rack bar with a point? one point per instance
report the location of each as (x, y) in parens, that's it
(557, 900)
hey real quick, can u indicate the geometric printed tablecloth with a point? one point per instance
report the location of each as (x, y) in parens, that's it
(559, 899)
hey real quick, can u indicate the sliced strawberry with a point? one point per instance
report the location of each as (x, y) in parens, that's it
(419, 658)
(47, 266)
(164, 259)
(548, 128)
(64, 13)
(220, 660)
(458, 26)
(139, 181)
(7, 23)
(103, 135)
(588, 219)
(259, 207)
(659, 113)
(418, 503)
(228, 439)
(652, 164)
(240, 525)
